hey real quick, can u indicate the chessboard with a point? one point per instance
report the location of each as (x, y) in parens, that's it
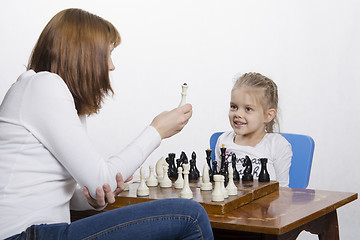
(247, 192)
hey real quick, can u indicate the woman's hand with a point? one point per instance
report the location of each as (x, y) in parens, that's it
(105, 195)
(172, 122)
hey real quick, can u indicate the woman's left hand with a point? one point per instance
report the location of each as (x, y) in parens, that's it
(109, 197)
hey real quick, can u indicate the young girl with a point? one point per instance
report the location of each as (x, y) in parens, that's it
(252, 115)
(46, 156)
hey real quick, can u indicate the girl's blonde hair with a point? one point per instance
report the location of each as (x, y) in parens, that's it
(75, 44)
(270, 97)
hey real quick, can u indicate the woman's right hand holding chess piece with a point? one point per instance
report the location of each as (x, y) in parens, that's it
(171, 122)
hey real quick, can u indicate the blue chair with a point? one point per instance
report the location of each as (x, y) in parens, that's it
(303, 151)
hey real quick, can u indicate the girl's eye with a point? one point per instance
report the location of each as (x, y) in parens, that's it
(248, 109)
(233, 107)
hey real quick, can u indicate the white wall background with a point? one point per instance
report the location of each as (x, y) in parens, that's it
(311, 49)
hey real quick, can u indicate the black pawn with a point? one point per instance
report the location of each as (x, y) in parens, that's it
(215, 171)
(236, 172)
(248, 170)
(264, 175)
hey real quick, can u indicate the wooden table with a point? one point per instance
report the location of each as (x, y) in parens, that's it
(281, 214)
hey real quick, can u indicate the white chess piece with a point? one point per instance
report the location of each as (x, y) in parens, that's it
(206, 185)
(126, 187)
(225, 192)
(159, 168)
(142, 190)
(217, 194)
(186, 191)
(183, 94)
(179, 183)
(165, 182)
(231, 187)
(151, 181)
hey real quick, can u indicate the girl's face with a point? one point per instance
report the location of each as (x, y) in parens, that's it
(110, 63)
(247, 116)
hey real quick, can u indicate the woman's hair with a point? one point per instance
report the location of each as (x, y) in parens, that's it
(75, 44)
(269, 98)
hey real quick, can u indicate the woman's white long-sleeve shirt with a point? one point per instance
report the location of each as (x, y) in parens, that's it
(45, 152)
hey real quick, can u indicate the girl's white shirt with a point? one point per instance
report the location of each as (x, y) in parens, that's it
(273, 146)
(46, 156)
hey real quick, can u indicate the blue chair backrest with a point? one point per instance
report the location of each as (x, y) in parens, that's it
(303, 150)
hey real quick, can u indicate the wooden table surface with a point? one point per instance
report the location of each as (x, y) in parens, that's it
(281, 214)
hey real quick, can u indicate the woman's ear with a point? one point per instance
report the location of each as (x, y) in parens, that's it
(270, 115)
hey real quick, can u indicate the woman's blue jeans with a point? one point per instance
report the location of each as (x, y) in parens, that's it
(173, 218)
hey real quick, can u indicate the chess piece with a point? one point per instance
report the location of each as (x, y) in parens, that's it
(186, 191)
(225, 192)
(194, 172)
(206, 185)
(208, 160)
(172, 168)
(264, 175)
(179, 183)
(183, 158)
(235, 171)
(159, 168)
(248, 170)
(231, 187)
(151, 181)
(142, 190)
(226, 173)
(223, 159)
(215, 171)
(183, 94)
(217, 194)
(126, 187)
(165, 182)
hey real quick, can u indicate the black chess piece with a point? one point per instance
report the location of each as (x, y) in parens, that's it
(215, 171)
(193, 156)
(183, 158)
(236, 172)
(172, 171)
(208, 160)
(226, 173)
(248, 169)
(264, 175)
(223, 159)
(192, 173)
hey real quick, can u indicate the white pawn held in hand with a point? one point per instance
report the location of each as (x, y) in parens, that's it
(206, 185)
(142, 190)
(186, 191)
(165, 182)
(231, 187)
(179, 183)
(217, 194)
(151, 181)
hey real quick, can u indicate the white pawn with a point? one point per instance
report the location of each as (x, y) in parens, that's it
(165, 182)
(159, 168)
(217, 194)
(186, 191)
(206, 185)
(151, 181)
(183, 94)
(126, 187)
(179, 183)
(231, 187)
(225, 192)
(142, 190)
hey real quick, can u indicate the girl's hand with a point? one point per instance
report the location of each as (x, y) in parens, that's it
(105, 195)
(170, 123)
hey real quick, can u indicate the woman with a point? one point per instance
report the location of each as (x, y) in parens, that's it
(46, 155)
